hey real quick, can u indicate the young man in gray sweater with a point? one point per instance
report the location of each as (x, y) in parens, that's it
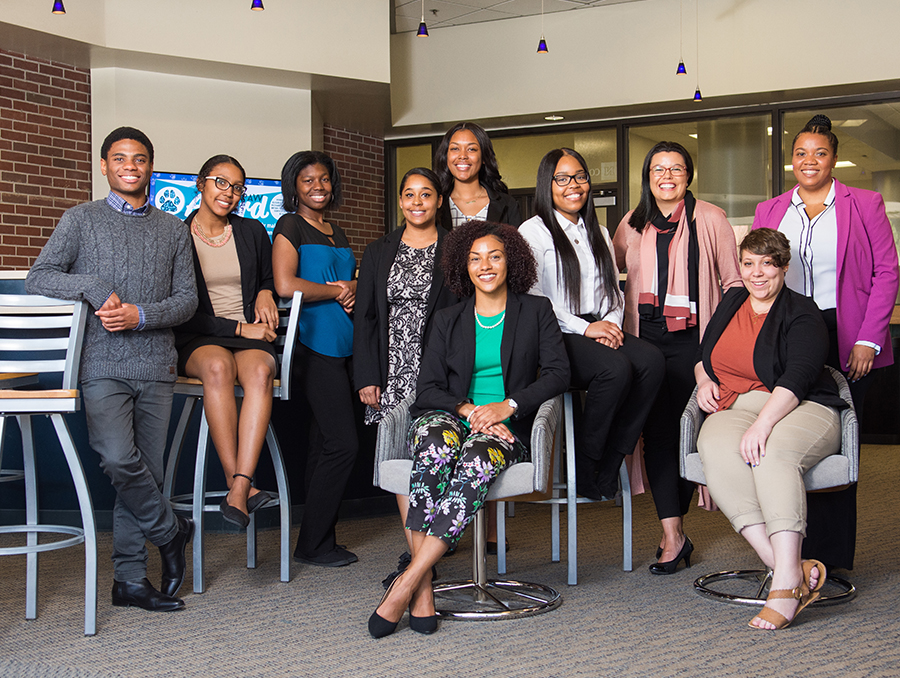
(132, 263)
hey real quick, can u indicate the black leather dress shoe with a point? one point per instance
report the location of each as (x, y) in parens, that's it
(336, 557)
(173, 557)
(140, 593)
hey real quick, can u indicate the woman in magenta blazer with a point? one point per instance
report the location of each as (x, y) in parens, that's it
(843, 248)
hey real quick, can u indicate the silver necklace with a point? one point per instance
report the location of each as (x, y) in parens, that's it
(489, 327)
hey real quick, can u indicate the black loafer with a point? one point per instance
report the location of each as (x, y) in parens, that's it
(258, 500)
(140, 593)
(336, 557)
(233, 515)
(172, 555)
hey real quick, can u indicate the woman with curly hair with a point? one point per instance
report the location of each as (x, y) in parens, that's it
(470, 179)
(489, 363)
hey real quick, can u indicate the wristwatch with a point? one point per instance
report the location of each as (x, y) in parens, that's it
(513, 404)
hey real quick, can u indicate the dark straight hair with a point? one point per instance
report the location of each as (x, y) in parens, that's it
(296, 164)
(568, 271)
(647, 209)
(488, 175)
(431, 178)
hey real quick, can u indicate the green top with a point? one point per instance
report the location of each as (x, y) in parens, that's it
(487, 373)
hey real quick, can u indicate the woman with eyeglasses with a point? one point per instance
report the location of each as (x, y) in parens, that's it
(470, 179)
(576, 271)
(230, 336)
(680, 254)
(312, 254)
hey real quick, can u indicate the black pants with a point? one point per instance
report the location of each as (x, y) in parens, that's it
(325, 382)
(671, 493)
(831, 516)
(621, 386)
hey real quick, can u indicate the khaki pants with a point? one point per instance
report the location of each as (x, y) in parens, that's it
(773, 492)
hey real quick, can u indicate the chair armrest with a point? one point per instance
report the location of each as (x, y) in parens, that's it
(691, 421)
(393, 432)
(849, 426)
(546, 425)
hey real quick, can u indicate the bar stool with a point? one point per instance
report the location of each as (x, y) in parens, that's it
(198, 501)
(564, 493)
(841, 468)
(479, 598)
(50, 333)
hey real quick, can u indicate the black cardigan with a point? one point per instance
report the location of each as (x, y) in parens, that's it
(502, 209)
(531, 341)
(790, 350)
(254, 251)
(370, 314)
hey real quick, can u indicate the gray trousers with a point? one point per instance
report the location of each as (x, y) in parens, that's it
(128, 422)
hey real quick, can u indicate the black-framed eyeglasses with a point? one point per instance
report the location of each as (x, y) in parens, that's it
(564, 179)
(223, 185)
(675, 170)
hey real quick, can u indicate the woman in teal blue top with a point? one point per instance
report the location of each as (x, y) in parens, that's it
(312, 255)
(489, 363)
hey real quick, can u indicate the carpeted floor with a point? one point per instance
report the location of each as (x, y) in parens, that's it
(613, 623)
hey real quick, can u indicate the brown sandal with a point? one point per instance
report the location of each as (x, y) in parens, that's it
(802, 593)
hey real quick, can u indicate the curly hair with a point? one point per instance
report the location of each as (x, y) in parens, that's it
(768, 242)
(521, 268)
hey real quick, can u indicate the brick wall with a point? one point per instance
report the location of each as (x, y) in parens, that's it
(45, 147)
(360, 160)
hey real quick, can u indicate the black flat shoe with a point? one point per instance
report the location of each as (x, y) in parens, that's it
(424, 625)
(670, 566)
(172, 554)
(233, 515)
(258, 500)
(336, 557)
(140, 593)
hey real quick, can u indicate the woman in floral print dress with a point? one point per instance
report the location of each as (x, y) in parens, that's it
(489, 363)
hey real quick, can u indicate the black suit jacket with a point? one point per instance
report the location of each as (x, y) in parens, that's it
(502, 209)
(534, 362)
(254, 251)
(370, 315)
(790, 350)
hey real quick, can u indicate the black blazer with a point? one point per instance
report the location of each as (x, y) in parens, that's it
(790, 350)
(254, 251)
(531, 341)
(502, 209)
(370, 314)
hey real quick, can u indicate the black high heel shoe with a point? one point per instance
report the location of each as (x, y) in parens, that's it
(380, 627)
(670, 566)
(424, 625)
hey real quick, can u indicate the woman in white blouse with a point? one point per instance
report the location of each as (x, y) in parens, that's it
(577, 272)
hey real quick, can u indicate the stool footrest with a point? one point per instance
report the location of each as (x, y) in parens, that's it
(836, 590)
(468, 600)
(76, 538)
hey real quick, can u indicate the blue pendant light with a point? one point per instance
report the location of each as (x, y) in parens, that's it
(681, 70)
(542, 44)
(58, 8)
(697, 95)
(423, 29)
(257, 6)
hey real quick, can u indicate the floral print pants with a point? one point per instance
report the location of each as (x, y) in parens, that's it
(453, 469)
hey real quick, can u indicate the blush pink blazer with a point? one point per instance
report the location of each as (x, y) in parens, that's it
(866, 266)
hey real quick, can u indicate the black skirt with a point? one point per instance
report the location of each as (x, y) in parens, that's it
(233, 343)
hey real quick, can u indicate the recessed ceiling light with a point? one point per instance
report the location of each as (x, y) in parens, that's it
(853, 123)
(553, 118)
(692, 136)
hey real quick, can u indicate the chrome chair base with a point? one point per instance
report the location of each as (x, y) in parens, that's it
(493, 600)
(756, 584)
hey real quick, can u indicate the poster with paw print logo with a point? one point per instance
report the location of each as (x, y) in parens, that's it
(177, 194)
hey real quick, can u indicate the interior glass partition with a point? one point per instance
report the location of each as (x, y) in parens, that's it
(732, 160)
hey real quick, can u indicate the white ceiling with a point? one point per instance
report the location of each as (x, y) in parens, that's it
(444, 13)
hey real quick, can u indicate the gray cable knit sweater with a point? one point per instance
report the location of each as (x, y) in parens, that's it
(95, 251)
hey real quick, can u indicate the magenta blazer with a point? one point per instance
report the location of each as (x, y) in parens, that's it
(866, 266)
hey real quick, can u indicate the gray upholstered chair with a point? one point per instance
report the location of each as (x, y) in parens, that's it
(478, 598)
(41, 340)
(564, 493)
(196, 502)
(841, 468)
